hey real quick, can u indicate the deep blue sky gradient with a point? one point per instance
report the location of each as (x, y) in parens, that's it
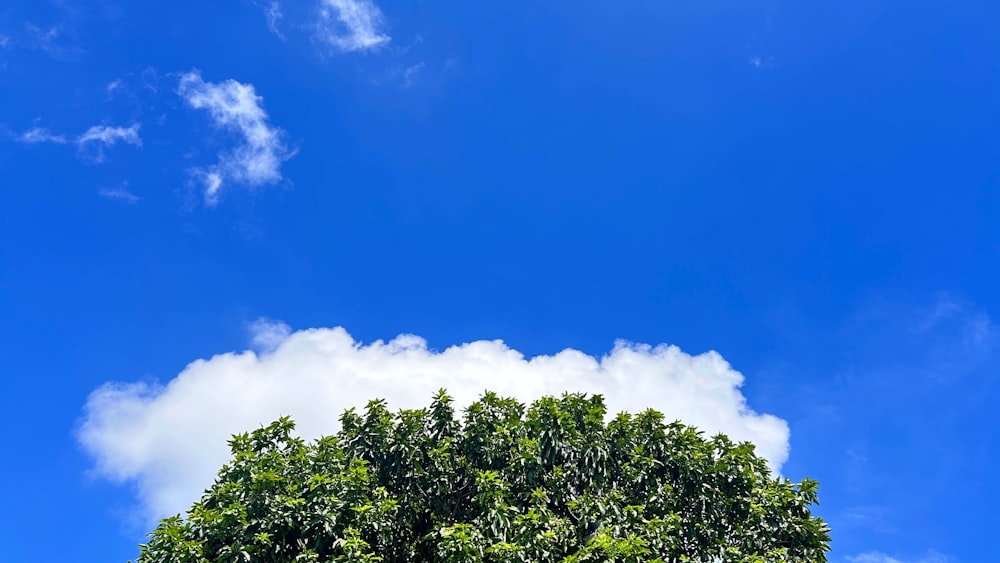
(810, 189)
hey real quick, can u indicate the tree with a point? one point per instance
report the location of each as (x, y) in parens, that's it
(508, 483)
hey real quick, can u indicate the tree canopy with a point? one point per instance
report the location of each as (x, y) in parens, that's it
(506, 482)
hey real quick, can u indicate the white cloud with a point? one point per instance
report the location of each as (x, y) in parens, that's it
(40, 135)
(876, 557)
(236, 107)
(170, 440)
(351, 25)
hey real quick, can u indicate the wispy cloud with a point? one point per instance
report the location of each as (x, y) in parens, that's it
(170, 440)
(94, 140)
(112, 87)
(5, 42)
(53, 41)
(237, 108)
(91, 144)
(761, 63)
(350, 25)
(411, 74)
(930, 556)
(872, 557)
(121, 193)
(108, 135)
(44, 39)
(40, 135)
(971, 327)
(946, 339)
(274, 15)
(871, 517)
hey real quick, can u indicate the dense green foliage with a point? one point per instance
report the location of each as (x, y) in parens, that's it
(507, 483)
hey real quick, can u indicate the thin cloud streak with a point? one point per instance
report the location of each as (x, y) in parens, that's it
(120, 193)
(90, 145)
(40, 135)
(930, 556)
(109, 135)
(95, 140)
(274, 15)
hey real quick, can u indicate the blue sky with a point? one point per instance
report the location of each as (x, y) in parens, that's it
(810, 191)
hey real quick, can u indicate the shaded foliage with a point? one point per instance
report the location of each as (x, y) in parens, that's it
(506, 483)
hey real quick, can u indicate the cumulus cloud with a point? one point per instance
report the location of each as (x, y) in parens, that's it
(350, 25)
(266, 335)
(171, 439)
(237, 108)
(40, 135)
